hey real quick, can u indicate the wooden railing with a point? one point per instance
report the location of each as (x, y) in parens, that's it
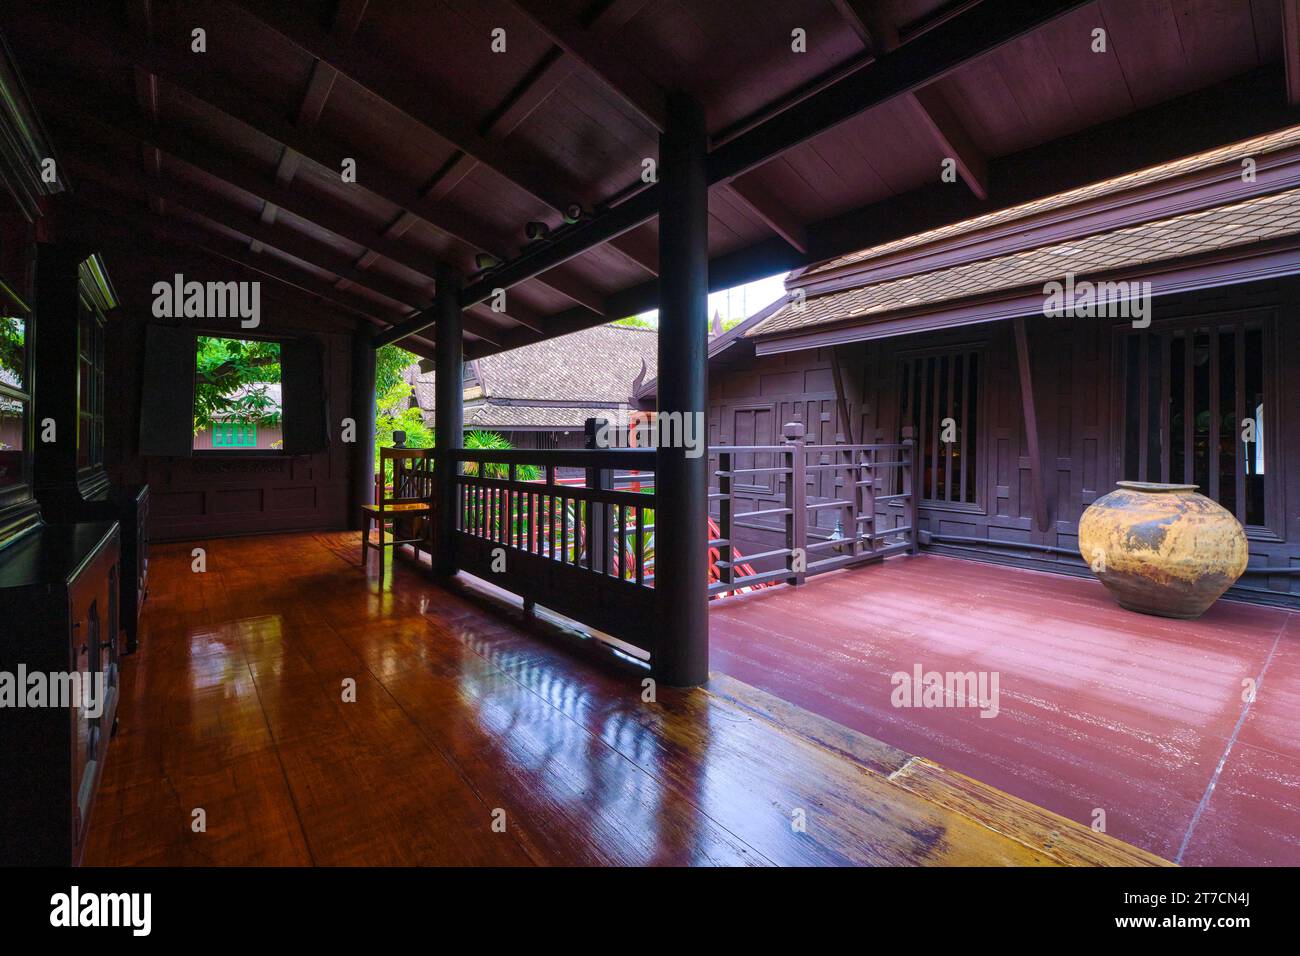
(583, 547)
(872, 476)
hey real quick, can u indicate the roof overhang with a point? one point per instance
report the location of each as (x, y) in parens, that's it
(1268, 260)
(205, 155)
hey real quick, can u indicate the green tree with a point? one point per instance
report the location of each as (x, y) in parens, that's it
(12, 331)
(233, 379)
(390, 362)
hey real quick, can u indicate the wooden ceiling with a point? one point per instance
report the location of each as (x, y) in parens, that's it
(235, 153)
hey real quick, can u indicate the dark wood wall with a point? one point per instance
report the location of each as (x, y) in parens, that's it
(1079, 404)
(214, 494)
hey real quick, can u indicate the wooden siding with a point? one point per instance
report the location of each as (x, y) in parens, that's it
(1079, 403)
(244, 492)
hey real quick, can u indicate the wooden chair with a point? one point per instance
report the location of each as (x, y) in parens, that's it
(409, 506)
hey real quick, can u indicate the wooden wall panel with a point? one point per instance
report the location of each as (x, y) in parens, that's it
(213, 494)
(1078, 408)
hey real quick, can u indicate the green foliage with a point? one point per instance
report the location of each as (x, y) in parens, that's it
(390, 362)
(232, 378)
(635, 322)
(11, 348)
(395, 412)
(491, 441)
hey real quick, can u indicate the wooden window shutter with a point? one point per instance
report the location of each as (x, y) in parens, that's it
(167, 405)
(302, 378)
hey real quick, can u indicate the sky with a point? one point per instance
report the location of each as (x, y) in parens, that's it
(739, 302)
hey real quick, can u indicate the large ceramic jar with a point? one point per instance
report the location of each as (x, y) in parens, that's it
(1162, 549)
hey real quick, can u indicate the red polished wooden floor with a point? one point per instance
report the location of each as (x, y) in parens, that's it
(1139, 716)
(234, 707)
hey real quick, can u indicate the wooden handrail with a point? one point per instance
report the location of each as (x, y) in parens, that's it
(864, 539)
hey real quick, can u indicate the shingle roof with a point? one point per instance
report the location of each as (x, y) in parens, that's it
(550, 417)
(583, 370)
(1270, 142)
(1255, 220)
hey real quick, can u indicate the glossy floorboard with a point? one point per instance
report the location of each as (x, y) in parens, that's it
(234, 707)
(1101, 708)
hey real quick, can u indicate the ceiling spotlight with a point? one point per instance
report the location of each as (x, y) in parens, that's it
(572, 213)
(536, 230)
(485, 260)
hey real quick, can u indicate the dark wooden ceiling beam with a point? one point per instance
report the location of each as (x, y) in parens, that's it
(961, 38)
(966, 36)
(774, 214)
(181, 73)
(1291, 49)
(299, 140)
(1168, 131)
(96, 113)
(93, 166)
(587, 46)
(133, 259)
(140, 15)
(431, 112)
(872, 23)
(174, 144)
(172, 230)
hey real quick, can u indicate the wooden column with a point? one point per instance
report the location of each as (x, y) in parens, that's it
(681, 655)
(449, 416)
(1031, 423)
(362, 486)
(53, 379)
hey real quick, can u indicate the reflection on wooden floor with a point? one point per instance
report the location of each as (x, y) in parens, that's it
(234, 707)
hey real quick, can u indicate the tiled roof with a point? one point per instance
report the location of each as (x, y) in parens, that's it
(1270, 142)
(596, 365)
(551, 417)
(1255, 220)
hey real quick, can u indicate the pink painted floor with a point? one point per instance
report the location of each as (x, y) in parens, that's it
(1100, 708)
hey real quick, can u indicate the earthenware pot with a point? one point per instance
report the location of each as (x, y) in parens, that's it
(1162, 549)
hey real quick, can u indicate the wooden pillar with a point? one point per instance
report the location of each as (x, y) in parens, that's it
(53, 379)
(362, 486)
(1031, 423)
(449, 416)
(681, 656)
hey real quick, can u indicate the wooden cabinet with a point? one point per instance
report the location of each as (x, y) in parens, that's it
(130, 508)
(59, 594)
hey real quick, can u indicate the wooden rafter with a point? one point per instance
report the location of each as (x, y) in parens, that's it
(125, 215)
(587, 47)
(1291, 49)
(634, 88)
(871, 22)
(93, 167)
(300, 140)
(779, 219)
(432, 113)
(224, 248)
